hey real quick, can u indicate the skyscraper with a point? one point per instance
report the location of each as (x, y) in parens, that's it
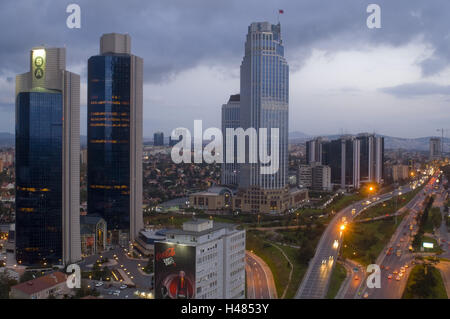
(435, 148)
(158, 139)
(47, 160)
(115, 98)
(314, 151)
(372, 157)
(265, 99)
(264, 104)
(343, 157)
(230, 119)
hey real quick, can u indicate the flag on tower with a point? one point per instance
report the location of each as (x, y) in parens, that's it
(280, 11)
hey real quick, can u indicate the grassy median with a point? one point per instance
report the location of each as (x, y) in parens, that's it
(337, 278)
(425, 282)
(273, 257)
(363, 242)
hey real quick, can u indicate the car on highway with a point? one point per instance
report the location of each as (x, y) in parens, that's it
(123, 287)
(397, 278)
(356, 277)
(389, 276)
(99, 284)
(116, 293)
(366, 295)
(395, 272)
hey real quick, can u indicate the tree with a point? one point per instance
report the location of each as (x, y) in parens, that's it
(5, 285)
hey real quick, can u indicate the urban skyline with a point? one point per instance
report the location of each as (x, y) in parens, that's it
(238, 209)
(393, 47)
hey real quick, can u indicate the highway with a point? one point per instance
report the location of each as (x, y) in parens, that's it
(315, 282)
(389, 262)
(260, 283)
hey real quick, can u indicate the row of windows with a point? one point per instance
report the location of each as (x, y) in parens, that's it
(113, 119)
(108, 186)
(110, 102)
(109, 113)
(109, 142)
(108, 125)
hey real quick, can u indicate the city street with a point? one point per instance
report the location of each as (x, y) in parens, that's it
(400, 241)
(316, 280)
(129, 269)
(260, 283)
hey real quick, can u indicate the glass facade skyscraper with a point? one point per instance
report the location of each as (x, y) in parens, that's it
(265, 99)
(47, 161)
(115, 138)
(39, 177)
(230, 119)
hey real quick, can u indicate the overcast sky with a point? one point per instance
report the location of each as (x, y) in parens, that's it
(344, 77)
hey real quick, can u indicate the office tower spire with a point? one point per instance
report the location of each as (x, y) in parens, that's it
(47, 160)
(115, 99)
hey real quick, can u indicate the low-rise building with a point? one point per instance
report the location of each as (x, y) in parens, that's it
(92, 234)
(145, 242)
(215, 198)
(53, 284)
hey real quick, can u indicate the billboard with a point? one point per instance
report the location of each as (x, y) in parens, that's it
(174, 271)
(427, 245)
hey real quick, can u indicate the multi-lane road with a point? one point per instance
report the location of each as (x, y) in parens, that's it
(393, 282)
(315, 282)
(260, 283)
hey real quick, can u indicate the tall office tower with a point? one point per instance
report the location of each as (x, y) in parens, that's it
(372, 157)
(343, 157)
(265, 99)
(379, 159)
(158, 139)
(314, 151)
(115, 80)
(48, 160)
(435, 148)
(230, 119)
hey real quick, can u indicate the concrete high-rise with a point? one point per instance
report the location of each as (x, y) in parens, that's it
(230, 119)
(47, 161)
(204, 260)
(115, 102)
(435, 148)
(372, 158)
(314, 151)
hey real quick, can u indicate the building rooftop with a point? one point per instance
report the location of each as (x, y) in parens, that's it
(42, 283)
(214, 227)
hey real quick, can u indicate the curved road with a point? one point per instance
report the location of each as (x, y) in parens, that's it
(260, 283)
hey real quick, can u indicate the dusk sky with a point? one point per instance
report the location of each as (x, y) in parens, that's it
(344, 77)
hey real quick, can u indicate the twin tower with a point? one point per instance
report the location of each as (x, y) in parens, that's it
(48, 151)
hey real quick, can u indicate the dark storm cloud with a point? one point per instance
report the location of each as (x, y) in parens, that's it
(176, 35)
(417, 89)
